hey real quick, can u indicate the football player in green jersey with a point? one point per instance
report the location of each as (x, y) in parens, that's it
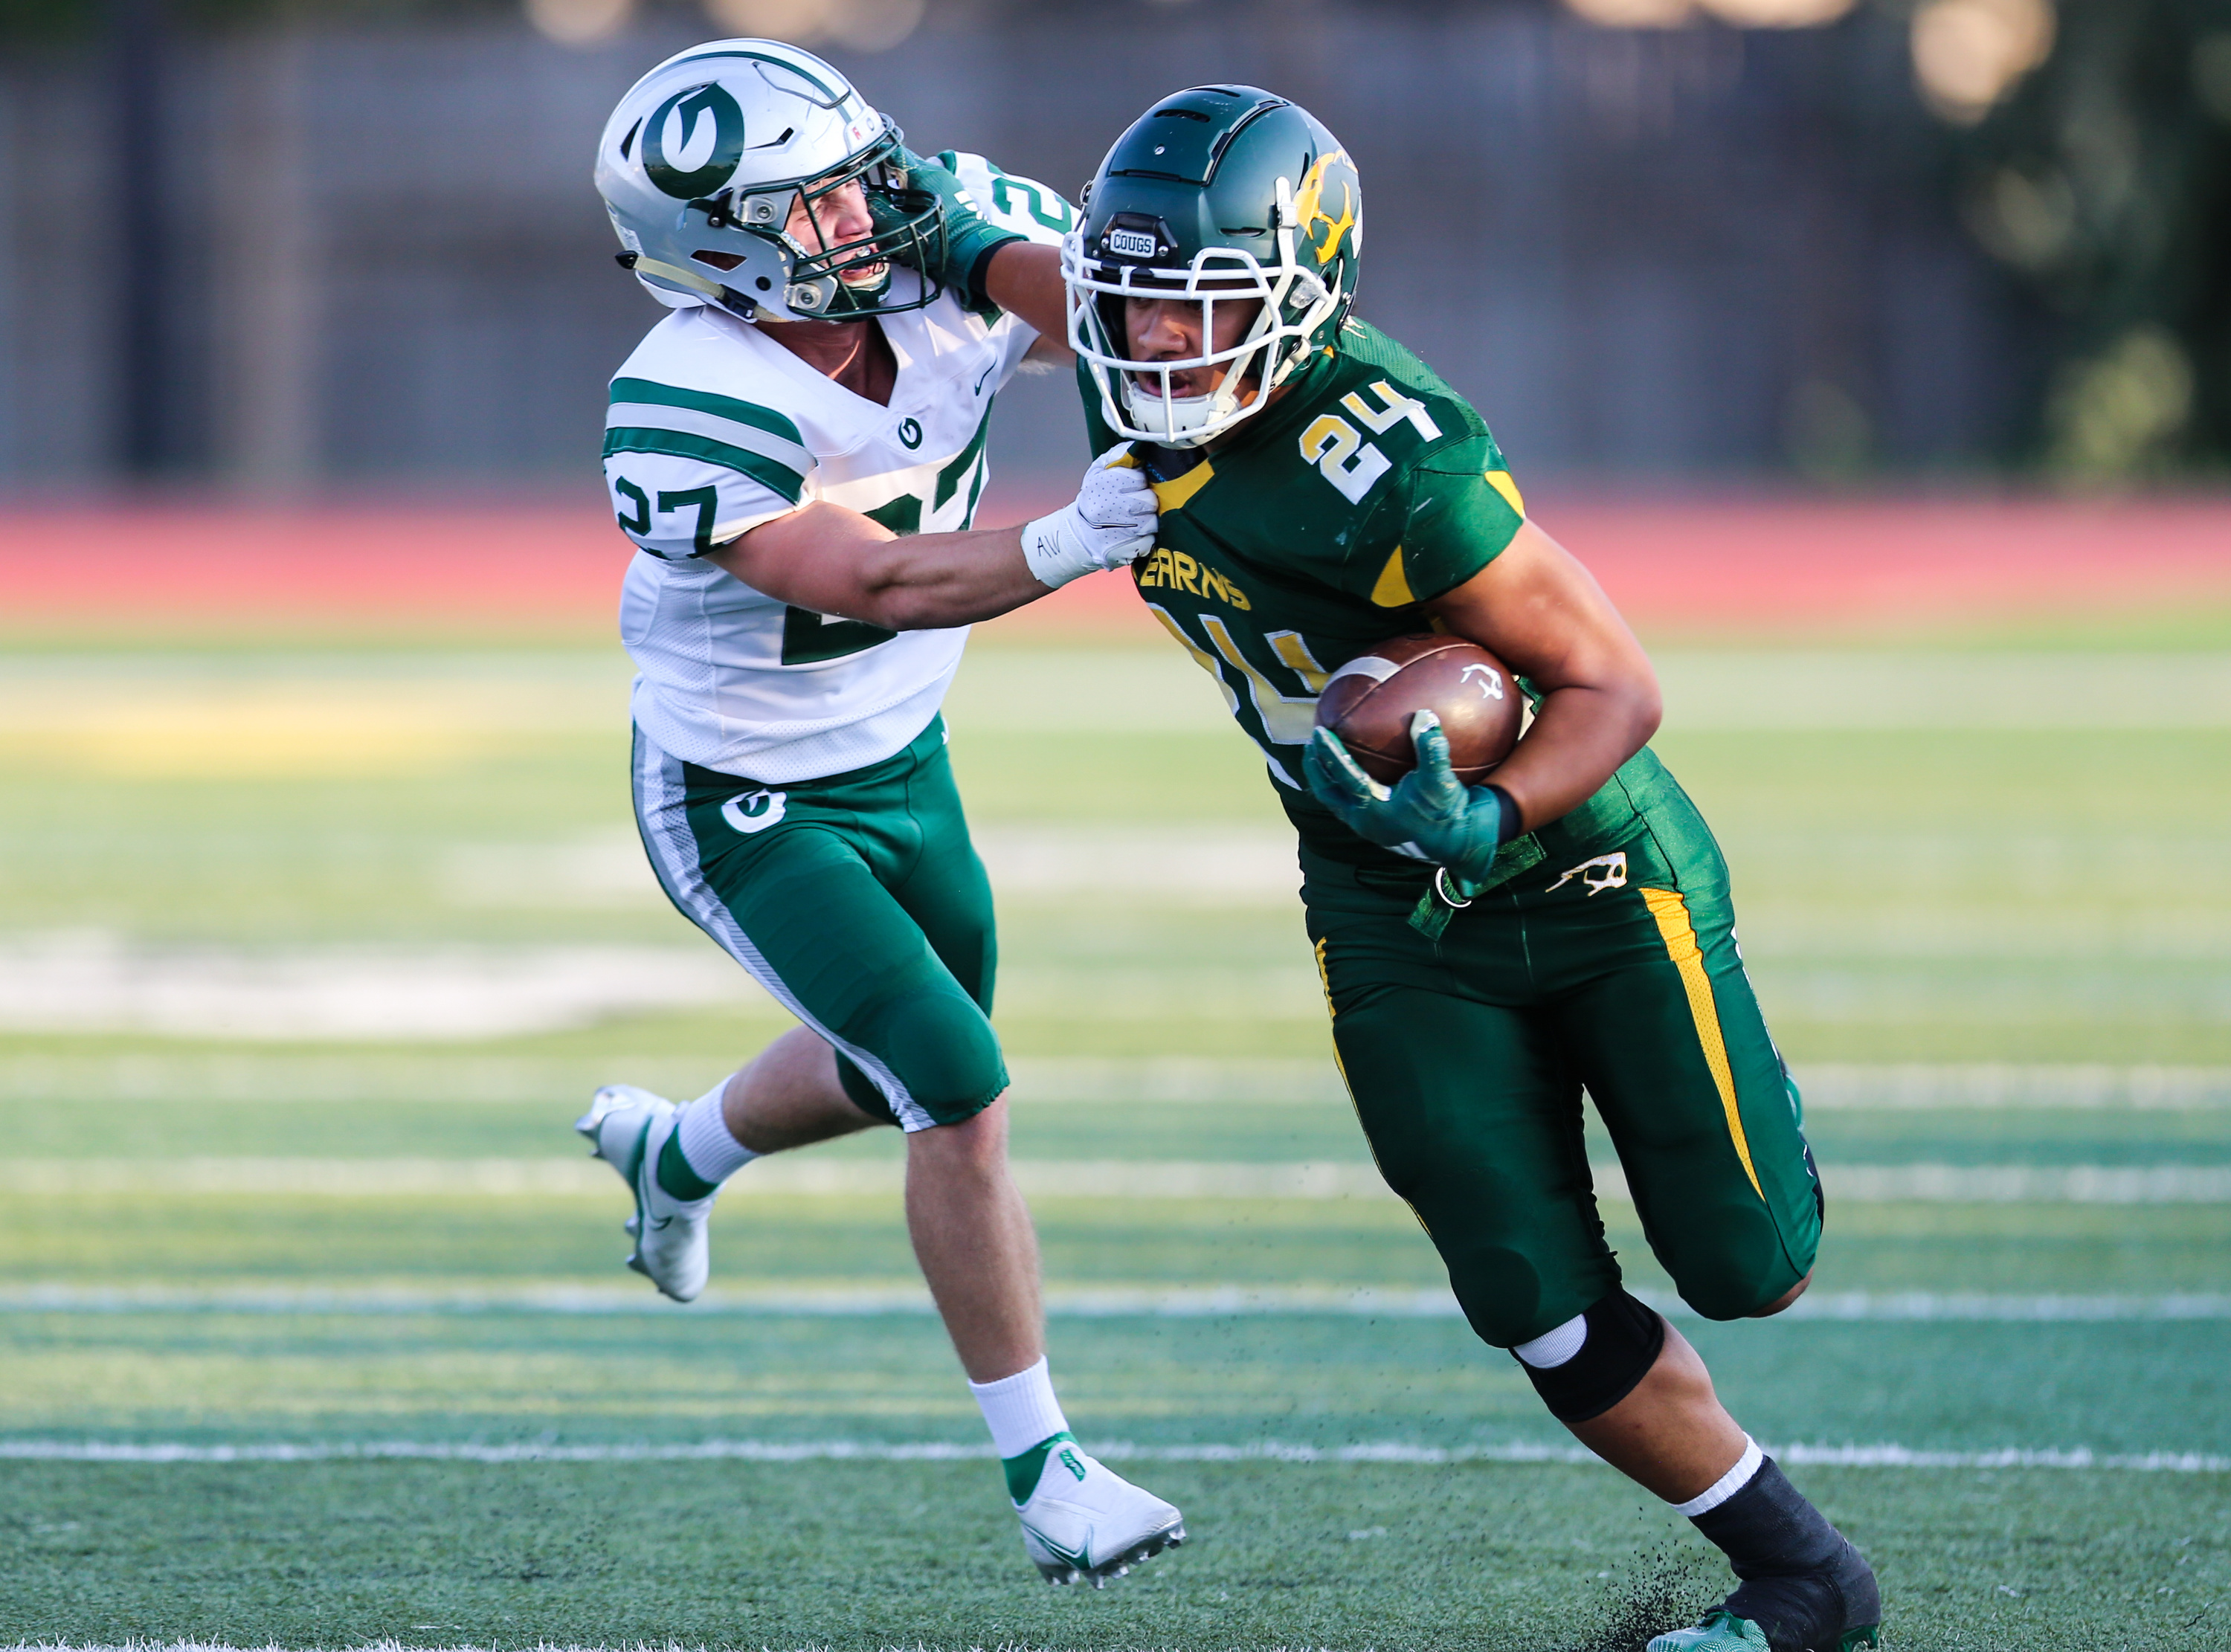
(1487, 952)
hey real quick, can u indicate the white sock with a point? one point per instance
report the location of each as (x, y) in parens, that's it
(706, 1144)
(1727, 1485)
(1021, 1410)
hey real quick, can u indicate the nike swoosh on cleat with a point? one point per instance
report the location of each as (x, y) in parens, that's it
(1081, 1560)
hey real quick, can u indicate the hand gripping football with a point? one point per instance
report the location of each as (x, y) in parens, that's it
(1368, 702)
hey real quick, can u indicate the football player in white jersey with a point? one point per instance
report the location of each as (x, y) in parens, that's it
(797, 452)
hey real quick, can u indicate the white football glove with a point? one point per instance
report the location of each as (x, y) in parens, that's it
(1109, 524)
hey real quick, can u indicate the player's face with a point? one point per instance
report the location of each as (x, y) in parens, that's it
(1158, 329)
(833, 220)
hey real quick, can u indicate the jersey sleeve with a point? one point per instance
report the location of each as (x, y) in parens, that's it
(1028, 209)
(1021, 204)
(1454, 512)
(687, 470)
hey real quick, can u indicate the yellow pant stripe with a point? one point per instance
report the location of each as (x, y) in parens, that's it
(1325, 980)
(1680, 937)
(1331, 1014)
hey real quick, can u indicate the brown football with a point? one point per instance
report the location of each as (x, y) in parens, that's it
(1368, 703)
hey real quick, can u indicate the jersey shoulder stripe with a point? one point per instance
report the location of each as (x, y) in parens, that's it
(772, 473)
(645, 416)
(652, 393)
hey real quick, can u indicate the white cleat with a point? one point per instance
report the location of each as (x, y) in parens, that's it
(1086, 1523)
(626, 1126)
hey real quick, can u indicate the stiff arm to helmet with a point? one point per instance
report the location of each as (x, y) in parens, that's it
(1217, 195)
(703, 159)
(691, 464)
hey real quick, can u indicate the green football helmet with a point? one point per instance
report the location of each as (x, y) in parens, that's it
(1217, 194)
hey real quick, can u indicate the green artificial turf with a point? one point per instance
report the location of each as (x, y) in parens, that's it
(2052, 898)
(876, 1555)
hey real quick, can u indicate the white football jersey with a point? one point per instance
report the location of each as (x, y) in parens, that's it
(713, 428)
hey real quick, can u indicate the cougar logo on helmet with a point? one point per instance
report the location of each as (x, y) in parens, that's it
(1309, 208)
(692, 142)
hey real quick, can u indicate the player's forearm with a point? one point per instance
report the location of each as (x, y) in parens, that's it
(1023, 279)
(834, 560)
(922, 581)
(1578, 738)
(933, 580)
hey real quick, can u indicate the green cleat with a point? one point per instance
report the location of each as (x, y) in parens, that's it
(1721, 1630)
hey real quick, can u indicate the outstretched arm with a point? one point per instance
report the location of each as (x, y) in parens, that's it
(1023, 279)
(836, 561)
(1543, 615)
(1018, 271)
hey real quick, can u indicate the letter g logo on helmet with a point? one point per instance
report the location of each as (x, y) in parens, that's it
(692, 142)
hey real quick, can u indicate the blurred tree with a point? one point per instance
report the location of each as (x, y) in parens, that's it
(2105, 178)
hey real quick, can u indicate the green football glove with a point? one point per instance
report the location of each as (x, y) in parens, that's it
(960, 253)
(1428, 815)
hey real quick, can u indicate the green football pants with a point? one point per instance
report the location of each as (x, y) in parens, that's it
(1467, 1057)
(858, 902)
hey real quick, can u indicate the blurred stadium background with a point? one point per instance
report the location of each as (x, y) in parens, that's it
(1876, 355)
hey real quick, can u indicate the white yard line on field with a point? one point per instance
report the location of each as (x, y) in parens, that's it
(199, 1079)
(871, 1298)
(91, 981)
(95, 982)
(1187, 865)
(2004, 1085)
(1844, 1457)
(1047, 1178)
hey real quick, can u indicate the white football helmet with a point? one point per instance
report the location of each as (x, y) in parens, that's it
(701, 162)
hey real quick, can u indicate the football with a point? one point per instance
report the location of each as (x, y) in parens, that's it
(1368, 703)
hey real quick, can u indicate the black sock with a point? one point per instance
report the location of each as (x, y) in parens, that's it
(1802, 1581)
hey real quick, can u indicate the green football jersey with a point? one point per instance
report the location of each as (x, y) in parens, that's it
(1323, 525)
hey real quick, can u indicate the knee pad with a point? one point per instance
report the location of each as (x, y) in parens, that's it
(1590, 1362)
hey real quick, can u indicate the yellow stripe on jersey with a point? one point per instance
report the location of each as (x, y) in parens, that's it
(1500, 481)
(1175, 495)
(1294, 653)
(1393, 590)
(1672, 912)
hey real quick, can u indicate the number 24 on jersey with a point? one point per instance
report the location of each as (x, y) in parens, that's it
(1340, 453)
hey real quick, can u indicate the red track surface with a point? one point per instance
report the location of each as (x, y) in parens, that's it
(1668, 563)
